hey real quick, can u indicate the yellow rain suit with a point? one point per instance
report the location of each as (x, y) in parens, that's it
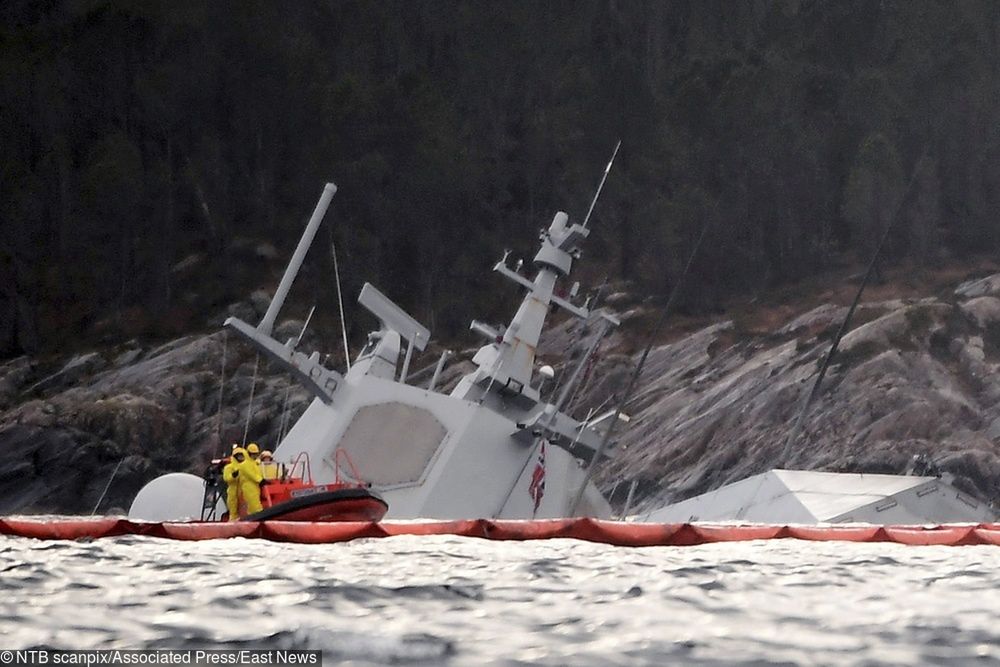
(269, 468)
(250, 478)
(231, 475)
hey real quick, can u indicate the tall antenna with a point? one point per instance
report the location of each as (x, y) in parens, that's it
(266, 325)
(305, 325)
(340, 302)
(600, 187)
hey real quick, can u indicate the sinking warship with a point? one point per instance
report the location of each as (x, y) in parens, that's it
(494, 447)
(490, 448)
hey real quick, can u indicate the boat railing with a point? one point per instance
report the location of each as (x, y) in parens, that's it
(301, 468)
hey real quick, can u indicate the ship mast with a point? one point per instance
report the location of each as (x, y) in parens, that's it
(507, 362)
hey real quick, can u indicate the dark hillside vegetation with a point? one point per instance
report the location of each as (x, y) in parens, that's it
(159, 158)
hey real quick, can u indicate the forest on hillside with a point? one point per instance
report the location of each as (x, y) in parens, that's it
(138, 136)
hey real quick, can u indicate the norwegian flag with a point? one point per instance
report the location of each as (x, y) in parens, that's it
(537, 486)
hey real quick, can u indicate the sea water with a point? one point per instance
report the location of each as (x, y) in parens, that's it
(446, 600)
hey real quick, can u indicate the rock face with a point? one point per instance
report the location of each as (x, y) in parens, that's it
(912, 377)
(133, 414)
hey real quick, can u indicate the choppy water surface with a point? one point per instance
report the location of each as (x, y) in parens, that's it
(464, 601)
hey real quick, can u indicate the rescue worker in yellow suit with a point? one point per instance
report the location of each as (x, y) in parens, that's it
(231, 475)
(269, 468)
(250, 479)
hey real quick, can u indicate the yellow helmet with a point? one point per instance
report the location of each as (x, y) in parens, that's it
(252, 448)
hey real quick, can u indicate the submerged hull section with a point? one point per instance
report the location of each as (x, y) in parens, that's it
(806, 497)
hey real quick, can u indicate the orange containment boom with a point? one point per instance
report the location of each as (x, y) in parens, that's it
(592, 530)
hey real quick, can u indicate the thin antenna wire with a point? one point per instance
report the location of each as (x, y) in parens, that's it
(493, 376)
(592, 305)
(797, 428)
(107, 486)
(222, 386)
(600, 187)
(305, 326)
(284, 413)
(559, 404)
(651, 337)
(340, 302)
(283, 422)
(531, 457)
(793, 435)
(253, 387)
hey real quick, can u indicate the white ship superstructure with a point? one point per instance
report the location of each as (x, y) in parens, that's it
(471, 453)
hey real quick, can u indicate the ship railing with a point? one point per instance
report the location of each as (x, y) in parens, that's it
(301, 468)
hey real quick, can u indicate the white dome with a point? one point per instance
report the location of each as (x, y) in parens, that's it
(173, 497)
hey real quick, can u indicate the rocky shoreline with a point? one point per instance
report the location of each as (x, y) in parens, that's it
(914, 376)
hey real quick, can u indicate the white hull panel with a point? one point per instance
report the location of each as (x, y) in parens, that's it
(475, 470)
(806, 497)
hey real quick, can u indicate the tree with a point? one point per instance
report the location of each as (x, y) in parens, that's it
(874, 188)
(924, 214)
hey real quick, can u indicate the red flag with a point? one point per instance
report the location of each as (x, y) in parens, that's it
(537, 486)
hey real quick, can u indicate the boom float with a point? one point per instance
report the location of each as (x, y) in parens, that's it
(591, 530)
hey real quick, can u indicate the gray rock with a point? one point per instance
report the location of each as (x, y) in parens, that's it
(14, 376)
(188, 263)
(818, 318)
(633, 313)
(241, 310)
(74, 369)
(981, 287)
(15, 369)
(127, 357)
(161, 412)
(260, 300)
(713, 408)
(972, 354)
(985, 310)
(993, 430)
(290, 329)
(619, 298)
(265, 250)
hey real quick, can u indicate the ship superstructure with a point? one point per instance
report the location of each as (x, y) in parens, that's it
(471, 453)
